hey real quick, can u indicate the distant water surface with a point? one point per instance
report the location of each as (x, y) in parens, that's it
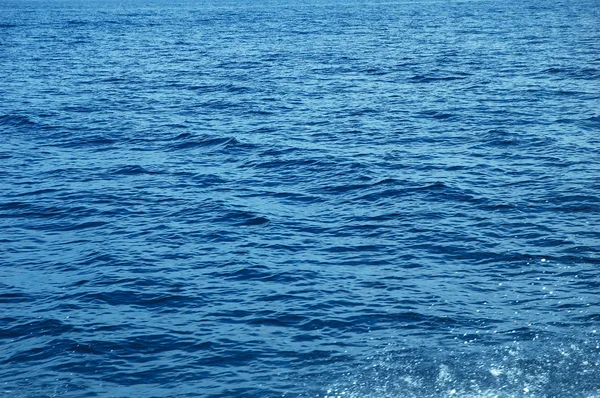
(300, 199)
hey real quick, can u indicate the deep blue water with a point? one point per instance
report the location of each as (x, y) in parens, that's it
(218, 198)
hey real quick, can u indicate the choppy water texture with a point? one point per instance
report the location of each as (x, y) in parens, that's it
(357, 199)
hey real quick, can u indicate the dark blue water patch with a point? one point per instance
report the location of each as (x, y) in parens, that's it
(97, 259)
(587, 74)
(28, 328)
(13, 297)
(221, 88)
(433, 79)
(242, 218)
(377, 71)
(37, 192)
(255, 221)
(575, 203)
(56, 347)
(133, 170)
(439, 115)
(15, 120)
(33, 210)
(79, 22)
(74, 226)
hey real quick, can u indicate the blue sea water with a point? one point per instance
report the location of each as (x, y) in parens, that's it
(318, 198)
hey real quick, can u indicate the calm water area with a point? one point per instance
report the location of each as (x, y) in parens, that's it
(319, 198)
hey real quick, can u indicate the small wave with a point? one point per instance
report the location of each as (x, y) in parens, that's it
(276, 151)
(255, 221)
(589, 73)
(10, 206)
(77, 22)
(37, 192)
(499, 138)
(27, 327)
(574, 73)
(161, 301)
(433, 79)
(95, 142)
(114, 79)
(334, 189)
(297, 197)
(72, 226)
(13, 297)
(376, 71)
(437, 115)
(184, 136)
(243, 218)
(302, 164)
(133, 170)
(189, 141)
(208, 179)
(436, 188)
(97, 258)
(555, 70)
(594, 119)
(16, 121)
(220, 88)
(35, 210)
(246, 273)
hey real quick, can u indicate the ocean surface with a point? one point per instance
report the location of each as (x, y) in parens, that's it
(318, 198)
